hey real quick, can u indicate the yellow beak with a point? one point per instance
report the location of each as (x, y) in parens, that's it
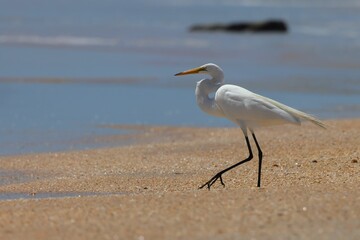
(191, 71)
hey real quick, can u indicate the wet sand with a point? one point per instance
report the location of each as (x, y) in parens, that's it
(310, 187)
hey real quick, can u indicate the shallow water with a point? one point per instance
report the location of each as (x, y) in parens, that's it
(68, 67)
(51, 195)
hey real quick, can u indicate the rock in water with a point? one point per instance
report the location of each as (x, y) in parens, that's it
(270, 26)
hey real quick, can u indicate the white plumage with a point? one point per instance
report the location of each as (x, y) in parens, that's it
(246, 109)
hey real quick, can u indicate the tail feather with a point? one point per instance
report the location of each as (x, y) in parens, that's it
(296, 112)
(311, 118)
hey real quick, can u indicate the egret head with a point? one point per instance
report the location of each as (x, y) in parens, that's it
(209, 68)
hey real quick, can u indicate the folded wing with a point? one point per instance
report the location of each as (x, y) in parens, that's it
(255, 110)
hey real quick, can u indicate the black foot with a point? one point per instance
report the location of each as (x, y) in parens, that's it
(213, 180)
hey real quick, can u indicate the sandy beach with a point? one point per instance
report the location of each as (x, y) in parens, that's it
(149, 190)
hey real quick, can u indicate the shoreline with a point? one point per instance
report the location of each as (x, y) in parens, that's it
(132, 134)
(150, 189)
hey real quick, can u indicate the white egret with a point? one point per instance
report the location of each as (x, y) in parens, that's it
(246, 109)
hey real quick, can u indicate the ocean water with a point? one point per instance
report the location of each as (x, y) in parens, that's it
(67, 68)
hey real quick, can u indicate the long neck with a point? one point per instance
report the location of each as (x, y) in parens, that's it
(204, 101)
(217, 77)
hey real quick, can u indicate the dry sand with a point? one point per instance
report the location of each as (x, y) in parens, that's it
(310, 187)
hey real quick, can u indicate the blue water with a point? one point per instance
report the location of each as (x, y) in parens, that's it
(116, 61)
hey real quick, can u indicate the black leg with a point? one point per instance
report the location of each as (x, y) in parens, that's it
(260, 159)
(219, 174)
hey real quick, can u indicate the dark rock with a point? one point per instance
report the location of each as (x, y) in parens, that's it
(270, 26)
